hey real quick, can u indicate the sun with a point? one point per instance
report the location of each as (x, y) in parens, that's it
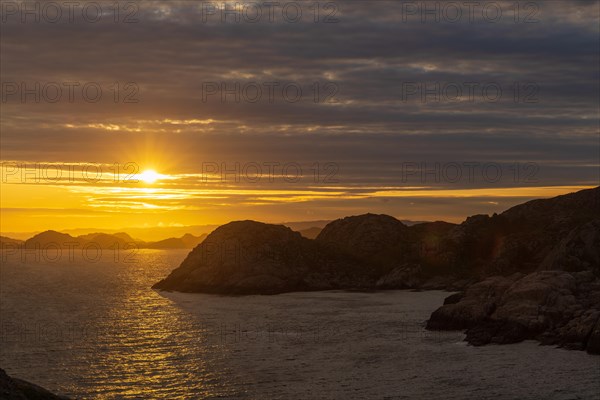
(149, 176)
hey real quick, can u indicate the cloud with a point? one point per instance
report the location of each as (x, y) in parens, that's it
(368, 73)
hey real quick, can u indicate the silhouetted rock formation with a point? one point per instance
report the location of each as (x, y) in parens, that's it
(554, 307)
(248, 257)
(530, 272)
(17, 389)
(523, 237)
(373, 239)
(367, 237)
(400, 256)
(553, 246)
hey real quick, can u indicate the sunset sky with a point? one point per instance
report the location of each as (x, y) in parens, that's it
(360, 138)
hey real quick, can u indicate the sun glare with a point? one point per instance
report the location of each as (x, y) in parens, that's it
(149, 176)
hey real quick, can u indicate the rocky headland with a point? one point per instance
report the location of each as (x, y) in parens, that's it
(531, 272)
(248, 257)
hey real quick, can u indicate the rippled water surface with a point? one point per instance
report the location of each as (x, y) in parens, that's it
(96, 330)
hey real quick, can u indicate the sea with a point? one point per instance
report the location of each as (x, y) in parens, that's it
(89, 326)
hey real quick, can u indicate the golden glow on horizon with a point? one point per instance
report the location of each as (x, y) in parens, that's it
(117, 198)
(149, 176)
(534, 192)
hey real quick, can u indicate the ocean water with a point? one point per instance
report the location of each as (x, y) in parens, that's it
(94, 329)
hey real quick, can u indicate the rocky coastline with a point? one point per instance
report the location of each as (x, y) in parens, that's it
(531, 272)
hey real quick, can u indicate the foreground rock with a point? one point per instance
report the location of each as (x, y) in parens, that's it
(17, 389)
(554, 307)
(539, 269)
(248, 257)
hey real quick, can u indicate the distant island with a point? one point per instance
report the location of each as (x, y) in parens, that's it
(100, 240)
(110, 239)
(531, 272)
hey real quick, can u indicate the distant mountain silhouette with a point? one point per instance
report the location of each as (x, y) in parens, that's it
(6, 241)
(158, 233)
(151, 233)
(311, 233)
(125, 236)
(50, 237)
(187, 241)
(108, 241)
(120, 240)
(303, 225)
(192, 241)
